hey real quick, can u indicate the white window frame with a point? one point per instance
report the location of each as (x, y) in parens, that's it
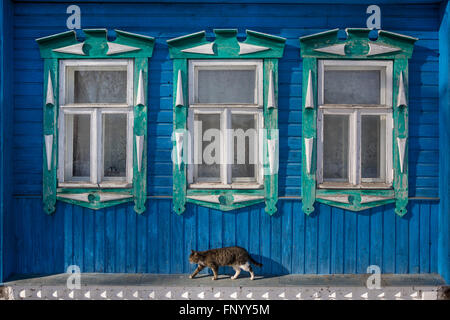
(225, 111)
(95, 111)
(223, 64)
(355, 111)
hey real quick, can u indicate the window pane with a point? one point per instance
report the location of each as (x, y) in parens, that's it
(114, 145)
(352, 87)
(226, 86)
(79, 131)
(335, 147)
(208, 145)
(100, 86)
(373, 142)
(244, 141)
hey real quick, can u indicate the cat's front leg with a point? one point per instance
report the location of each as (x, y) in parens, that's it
(199, 268)
(214, 270)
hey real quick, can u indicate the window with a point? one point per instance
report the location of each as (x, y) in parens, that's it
(355, 119)
(355, 124)
(225, 121)
(94, 118)
(96, 123)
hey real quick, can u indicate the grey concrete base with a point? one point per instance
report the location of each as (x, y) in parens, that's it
(165, 287)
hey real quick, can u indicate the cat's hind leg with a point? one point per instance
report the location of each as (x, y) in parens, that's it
(237, 269)
(247, 267)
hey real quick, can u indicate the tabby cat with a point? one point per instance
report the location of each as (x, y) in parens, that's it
(236, 257)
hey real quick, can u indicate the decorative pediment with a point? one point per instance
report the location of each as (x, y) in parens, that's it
(226, 45)
(96, 45)
(357, 44)
(225, 200)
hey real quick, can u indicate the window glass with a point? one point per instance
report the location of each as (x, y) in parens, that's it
(244, 141)
(114, 145)
(79, 133)
(335, 147)
(95, 86)
(373, 128)
(208, 146)
(226, 86)
(352, 87)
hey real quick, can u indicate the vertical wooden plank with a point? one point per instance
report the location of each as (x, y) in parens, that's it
(216, 228)
(229, 227)
(176, 264)
(350, 238)
(131, 240)
(401, 248)
(265, 240)
(311, 240)
(141, 245)
(27, 255)
(242, 228)
(363, 241)
(337, 240)
(254, 234)
(153, 235)
(110, 240)
(66, 210)
(414, 247)
(286, 235)
(434, 234)
(276, 235)
(324, 241)
(424, 237)
(389, 219)
(100, 232)
(376, 236)
(121, 239)
(298, 238)
(203, 230)
(78, 244)
(190, 232)
(164, 237)
(88, 228)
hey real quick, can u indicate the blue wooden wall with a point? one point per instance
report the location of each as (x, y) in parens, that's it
(444, 143)
(329, 241)
(7, 259)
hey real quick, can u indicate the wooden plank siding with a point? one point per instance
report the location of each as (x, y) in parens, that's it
(165, 21)
(329, 241)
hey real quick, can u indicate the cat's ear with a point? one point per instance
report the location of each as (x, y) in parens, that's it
(192, 251)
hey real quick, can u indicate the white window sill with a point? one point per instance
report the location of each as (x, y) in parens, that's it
(346, 185)
(105, 185)
(213, 185)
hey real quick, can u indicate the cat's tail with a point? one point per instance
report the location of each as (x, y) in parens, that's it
(256, 263)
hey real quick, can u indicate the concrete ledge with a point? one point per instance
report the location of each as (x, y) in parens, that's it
(180, 287)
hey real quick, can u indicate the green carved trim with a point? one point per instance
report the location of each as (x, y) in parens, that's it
(226, 45)
(357, 200)
(49, 177)
(271, 132)
(309, 116)
(180, 67)
(400, 115)
(140, 129)
(224, 199)
(95, 46)
(92, 198)
(357, 45)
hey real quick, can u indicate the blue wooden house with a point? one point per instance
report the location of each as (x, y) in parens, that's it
(105, 108)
